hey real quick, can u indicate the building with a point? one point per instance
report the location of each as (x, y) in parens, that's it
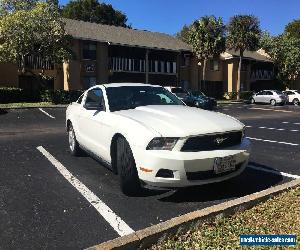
(106, 54)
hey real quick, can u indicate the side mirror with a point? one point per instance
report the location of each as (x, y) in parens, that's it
(93, 106)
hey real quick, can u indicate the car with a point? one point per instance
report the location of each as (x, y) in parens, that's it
(150, 138)
(194, 99)
(293, 96)
(272, 97)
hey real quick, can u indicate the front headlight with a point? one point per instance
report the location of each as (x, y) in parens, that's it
(162, 143)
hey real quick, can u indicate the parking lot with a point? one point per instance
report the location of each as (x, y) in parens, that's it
(50, 199)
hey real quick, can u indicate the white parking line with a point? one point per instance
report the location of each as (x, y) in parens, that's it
(46, 113)
(280, 142)
(285, 111)
(295, 123)
(278, 129)
(274, 172)
(115, 221)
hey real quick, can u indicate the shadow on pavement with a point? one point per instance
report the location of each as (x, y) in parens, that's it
(250, 181)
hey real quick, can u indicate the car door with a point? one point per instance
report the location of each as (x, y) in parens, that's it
(259, 96)
(91, 122)
(268, 96)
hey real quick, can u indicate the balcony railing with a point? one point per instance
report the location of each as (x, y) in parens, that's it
(36, 62)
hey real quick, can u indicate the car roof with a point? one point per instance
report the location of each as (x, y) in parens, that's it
(124, 84)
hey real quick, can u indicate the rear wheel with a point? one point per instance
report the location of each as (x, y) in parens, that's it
(273, 102)
(73, 143)
(296, 101)
(129, 180)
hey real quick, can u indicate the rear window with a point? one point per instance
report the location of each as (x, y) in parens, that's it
(178, 90)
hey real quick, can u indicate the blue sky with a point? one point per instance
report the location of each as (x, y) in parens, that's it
(169, 16)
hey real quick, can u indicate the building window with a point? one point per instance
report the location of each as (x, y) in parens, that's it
(89, 81)
(89, 51)
(174, 68)
(214, 65)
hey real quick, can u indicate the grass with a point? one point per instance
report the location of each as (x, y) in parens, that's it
(27, 105)
(279, 215)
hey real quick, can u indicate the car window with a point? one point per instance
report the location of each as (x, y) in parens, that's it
(130, 97)
(289, 93)
(94, 97)
(260, 93)
(178, 90)
(278, 92)
(268, 93)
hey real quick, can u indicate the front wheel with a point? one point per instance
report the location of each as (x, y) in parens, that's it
(273, 102)
(252, 101)
(296, 102)
(129, 180)
(73, 143)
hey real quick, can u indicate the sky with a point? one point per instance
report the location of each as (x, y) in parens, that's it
(168, 16)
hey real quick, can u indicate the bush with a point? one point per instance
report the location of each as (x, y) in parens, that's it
(8, 95)
(244, 95)
(60, 96)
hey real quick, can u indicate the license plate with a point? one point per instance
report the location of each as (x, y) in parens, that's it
(224, 164)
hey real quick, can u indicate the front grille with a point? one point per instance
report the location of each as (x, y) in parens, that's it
(204, 175)
(212, 142)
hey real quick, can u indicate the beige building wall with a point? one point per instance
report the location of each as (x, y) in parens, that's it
(9, 75)
(72, 69)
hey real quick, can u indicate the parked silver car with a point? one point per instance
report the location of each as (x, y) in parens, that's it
(272, 97)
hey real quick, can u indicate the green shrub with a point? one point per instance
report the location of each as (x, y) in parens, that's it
(60, 96)
(8, 95)
(244, 95)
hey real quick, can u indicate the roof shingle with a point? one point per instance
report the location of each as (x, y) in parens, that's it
(123, 36)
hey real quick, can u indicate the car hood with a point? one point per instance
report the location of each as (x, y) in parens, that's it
(181, 121)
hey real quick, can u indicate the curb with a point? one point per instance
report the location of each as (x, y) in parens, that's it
(146, 237)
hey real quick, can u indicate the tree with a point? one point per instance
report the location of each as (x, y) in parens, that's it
(36, 30)
(183, 34)
(285, 53)
(207, 39)
(293, 29)
(93, 11)
(243, 33)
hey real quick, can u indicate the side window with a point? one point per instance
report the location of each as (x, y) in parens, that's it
(260, 93)
(269, 93)
(95, 98)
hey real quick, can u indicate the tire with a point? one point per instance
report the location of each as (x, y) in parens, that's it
(296, 101)
(73, 143)
(273, 102)
(252, 101)
(129, 180)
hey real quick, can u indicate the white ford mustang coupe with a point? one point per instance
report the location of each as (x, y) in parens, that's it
(147, 136)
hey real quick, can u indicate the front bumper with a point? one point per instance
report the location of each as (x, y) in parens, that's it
(189, 168)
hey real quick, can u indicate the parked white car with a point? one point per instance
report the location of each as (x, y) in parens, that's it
(148, 136)
(272, 97)
(293, 96)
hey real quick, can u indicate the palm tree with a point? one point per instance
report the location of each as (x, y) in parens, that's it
(243, 33)
(207, 38)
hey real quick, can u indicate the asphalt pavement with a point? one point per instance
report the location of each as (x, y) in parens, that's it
(41, 208)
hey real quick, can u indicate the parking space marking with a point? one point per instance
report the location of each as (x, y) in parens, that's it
(43, 111)
(279, 142)
(295, 123)
(286, 111)
(115, 221)
(274, 172)
(278, 129)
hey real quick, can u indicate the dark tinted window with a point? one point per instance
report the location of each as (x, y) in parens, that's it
(130, 97)
(95, 97)
(89, 50)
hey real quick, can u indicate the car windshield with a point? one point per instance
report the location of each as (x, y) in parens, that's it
(130, 97)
